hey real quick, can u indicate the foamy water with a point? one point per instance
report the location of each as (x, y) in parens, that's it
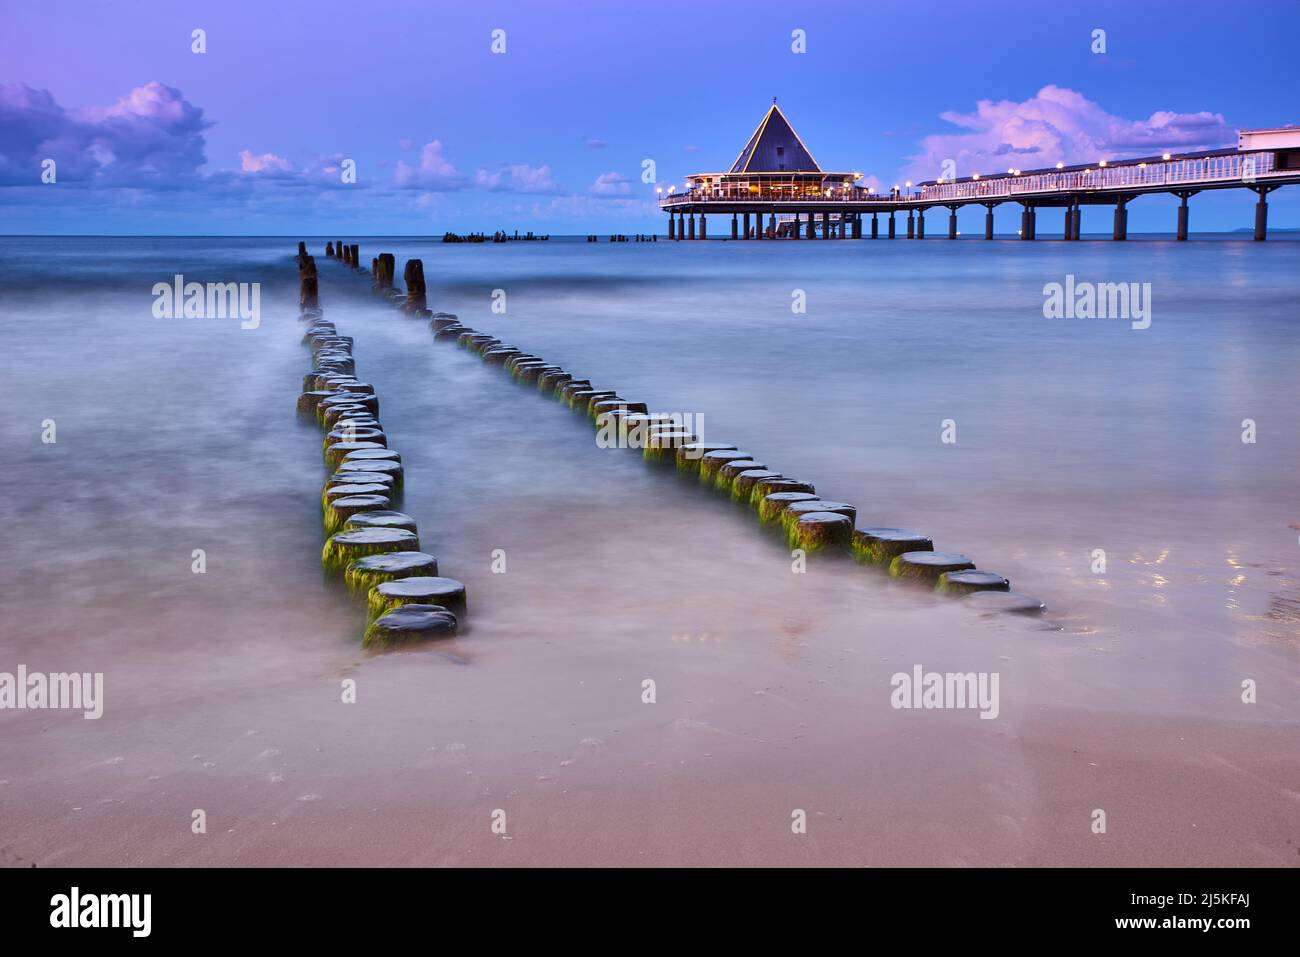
(222, 689)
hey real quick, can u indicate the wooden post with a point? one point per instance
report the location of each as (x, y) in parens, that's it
(308, 287)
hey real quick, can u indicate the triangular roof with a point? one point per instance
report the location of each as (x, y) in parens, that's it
(775, 148)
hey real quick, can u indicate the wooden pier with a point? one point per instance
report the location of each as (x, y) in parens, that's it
(776, 184)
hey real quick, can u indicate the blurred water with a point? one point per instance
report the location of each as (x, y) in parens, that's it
(1072, 435)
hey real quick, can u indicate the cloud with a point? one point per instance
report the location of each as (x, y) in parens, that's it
(611, 184)
(434, 170)
(518, 178)
(152, 137)
(595, 144)
(1059, 125)
(264, 163)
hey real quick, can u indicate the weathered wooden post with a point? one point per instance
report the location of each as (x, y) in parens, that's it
(355, 256)
(416, 294)
(329, 250)
(308, 289)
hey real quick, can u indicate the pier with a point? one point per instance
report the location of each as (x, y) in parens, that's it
(776, 190)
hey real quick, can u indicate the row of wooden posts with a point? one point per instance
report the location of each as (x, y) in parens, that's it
(811, 523)
(374, 547)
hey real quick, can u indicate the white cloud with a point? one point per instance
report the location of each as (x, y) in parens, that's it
(611, 184)
(1059, 125)
(434, 170)
(518, 178)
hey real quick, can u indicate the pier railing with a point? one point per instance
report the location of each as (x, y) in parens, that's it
(1243, 167)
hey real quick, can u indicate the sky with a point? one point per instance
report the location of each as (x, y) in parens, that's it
(552, 116)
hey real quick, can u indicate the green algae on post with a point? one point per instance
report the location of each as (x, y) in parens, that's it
(418, 590)
(880, 546)
(792, 513)
(363, 574)
(334, 454)
(689, 455)
(815, 531)
(383, 518)
(927, 566)
(765, 487)
(774, 504)
(972, 580)
(726, 472)
(409, 624)
(340, 509)
(343, 547)
(710, 462)
(744, 481)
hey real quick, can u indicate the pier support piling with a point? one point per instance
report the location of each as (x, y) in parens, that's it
(1261, 211)
(891, 224)
(911, 224)
(1121, 220)
(875, 226)
(988, 220)
(690, 234)
(735, 227)
(745, 223)
(826, 225)
(1183, 196)
(952, 222)
(920, 224)
(857, 227)
(672, 226)
(704, 227)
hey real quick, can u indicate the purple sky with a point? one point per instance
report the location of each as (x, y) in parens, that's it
(552, 135)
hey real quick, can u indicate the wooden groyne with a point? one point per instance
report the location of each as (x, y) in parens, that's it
(810, 523)
(375, 548)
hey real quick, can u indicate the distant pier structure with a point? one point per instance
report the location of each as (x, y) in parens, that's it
(776, 190)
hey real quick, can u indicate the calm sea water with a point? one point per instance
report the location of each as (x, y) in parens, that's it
(1071, 436)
